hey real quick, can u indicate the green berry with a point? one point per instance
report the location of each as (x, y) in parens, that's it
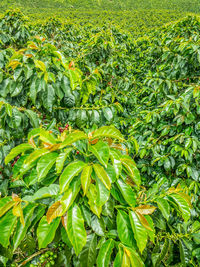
(52, 262)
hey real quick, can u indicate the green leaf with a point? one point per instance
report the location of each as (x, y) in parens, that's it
(92, 200)
(45, 164)
(164, 207)
(102, 193)
(116, 162)
(98, 226)
(7, 224)
(110, 170)
(6, 203)
(163, 253)
(72, 170)
(102, 175)
(70, 195)
(108, 131)
(139, 231)
(107, 112)
(16, 151)
(131, 170)
(101, 151)
(21, 230)
(103, 259)
(87, 256)
(95, 117)
(40, 65)
(185, 254)
(135, 259)
(16, 117)
(61, 159)
(151, 233)
(35, 132)
(124, 229)
(126, 192)
(47, 137)
(183, 205)
(86, 178)
(50, 96)
(75, 229)
(45, 192)
(73, 137)
(33, 118)
(34, 156)
(46, 232)
(118, 258)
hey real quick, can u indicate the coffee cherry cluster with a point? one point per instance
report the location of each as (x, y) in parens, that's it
(46, 260)
(61, 130)
(61, 246)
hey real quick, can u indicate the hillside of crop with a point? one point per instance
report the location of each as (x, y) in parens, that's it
(114, 5)
(99, 138)
(136, 16)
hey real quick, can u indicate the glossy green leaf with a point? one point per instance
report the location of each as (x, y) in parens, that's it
(87, 256)
(102, 193)
(86, 178)
(134, 257)
(6, 203)
(73, 137)
(98, 226)
(7, 224)
(131, 170)
(33, 118)
(44, 165)
(72, 170)
(75, 229)
(47, 137)
(70, 195)
(21, 230)
(61, 160)
(92, 200)
(108, 131)
(183, 205)
(46, 232)
(103, 259)
(164, 207)
(124, 229)
(115, 157)
(126, 192)
(34, 156)
(102, 175)
(44, 192)
(184, 253)
(140, 233)
(16, 151)
(101, 151)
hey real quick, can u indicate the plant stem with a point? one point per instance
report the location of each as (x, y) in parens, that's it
(33, 256)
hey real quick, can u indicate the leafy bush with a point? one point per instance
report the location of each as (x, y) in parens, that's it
(96, 181)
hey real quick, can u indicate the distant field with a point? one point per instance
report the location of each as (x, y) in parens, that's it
(136, 16)
(46, 5)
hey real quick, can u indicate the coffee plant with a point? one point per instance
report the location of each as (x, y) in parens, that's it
(99, 144)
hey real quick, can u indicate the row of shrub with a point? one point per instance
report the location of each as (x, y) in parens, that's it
(99, 144)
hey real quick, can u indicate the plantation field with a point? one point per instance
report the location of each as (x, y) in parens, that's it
(100, 134)
(135, 16)
(114, 5)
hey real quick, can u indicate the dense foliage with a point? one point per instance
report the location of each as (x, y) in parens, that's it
(99, 144)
